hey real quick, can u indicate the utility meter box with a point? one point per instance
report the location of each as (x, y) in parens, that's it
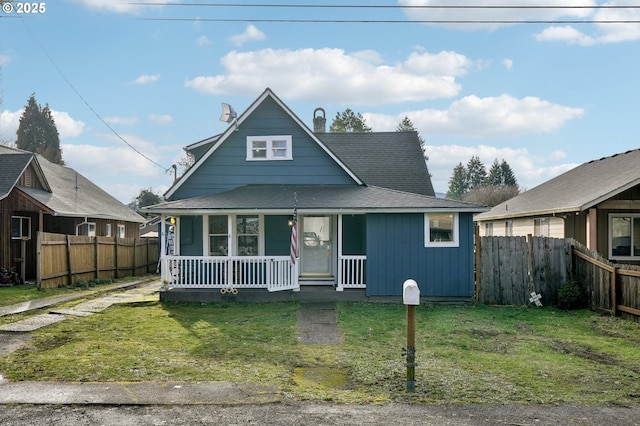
(410, 293)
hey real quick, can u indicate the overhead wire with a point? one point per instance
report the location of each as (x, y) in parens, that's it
(64, 77)
(389, 21)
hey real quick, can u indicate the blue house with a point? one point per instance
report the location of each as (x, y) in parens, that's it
(273, 210)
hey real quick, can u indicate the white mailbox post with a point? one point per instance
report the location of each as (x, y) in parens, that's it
(411, 298)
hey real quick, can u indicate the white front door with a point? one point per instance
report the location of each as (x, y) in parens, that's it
(317, 246)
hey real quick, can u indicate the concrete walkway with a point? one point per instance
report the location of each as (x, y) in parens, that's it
(318, 324)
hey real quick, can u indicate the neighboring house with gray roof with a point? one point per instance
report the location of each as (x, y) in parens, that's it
(37, 195)
(362, 205)
(596, 203)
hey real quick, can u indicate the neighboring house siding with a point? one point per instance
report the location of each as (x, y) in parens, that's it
(228, 167)
(396, 252)
(524, 227)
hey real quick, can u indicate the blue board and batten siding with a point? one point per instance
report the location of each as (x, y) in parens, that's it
(396, 252)
(229, 169)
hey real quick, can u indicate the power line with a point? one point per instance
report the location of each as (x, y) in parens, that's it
(85, 101)
(373, 6)
(398, 21)
(392, 21)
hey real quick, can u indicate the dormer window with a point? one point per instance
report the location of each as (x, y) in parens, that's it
(265, 148)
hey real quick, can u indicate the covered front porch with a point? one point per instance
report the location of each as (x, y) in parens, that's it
(237, 251)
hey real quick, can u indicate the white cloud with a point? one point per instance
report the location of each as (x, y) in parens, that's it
(530, 170)
(508, 63)
(492, 13)
(9, 122)
(251, 33)
(122, 120)
(203, 41)
(472, 116)
(334, 76)
(146, 79)
(118, 6)
(161, 118)
(65, 124)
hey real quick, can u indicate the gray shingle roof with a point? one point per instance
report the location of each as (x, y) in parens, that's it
(12, 166)
(575, 190)
(325, 198)
(74, 195)
(386, 159)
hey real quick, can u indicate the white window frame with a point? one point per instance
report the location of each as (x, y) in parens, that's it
(271, 150)
(121, 231)
(91, 229)
(22, 220)
(541, 227)
(488, 229)
(108, 234)
(632, 242)
(455, 242)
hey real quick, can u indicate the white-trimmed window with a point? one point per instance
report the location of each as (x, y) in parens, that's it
(441, 230)
(624, 236)
(218, 235)
(268, 148)
(488, 229)
(86, 228)
(121, 229)
(108, 232)
(508, 228)
(20, 228)
(541, 227)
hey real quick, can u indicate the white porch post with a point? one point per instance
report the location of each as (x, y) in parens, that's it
(163, 251)
(339, 286)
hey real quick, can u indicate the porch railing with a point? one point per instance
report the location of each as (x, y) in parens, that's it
(270, 272)
(352, 272)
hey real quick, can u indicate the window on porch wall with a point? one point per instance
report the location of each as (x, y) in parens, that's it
(218, 235)
(248, 233)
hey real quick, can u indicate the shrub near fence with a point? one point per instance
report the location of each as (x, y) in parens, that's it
(65, 259)
(510, 268)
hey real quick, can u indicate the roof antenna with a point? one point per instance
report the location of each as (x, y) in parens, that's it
(229, 115)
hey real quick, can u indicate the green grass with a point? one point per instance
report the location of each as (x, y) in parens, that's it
(474, 354)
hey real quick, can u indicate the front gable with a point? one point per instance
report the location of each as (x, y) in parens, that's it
(229, 162)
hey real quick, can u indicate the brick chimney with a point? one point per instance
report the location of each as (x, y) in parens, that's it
(319, 122)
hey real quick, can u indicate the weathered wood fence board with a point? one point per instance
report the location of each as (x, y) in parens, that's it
(510, 268)
(65, 259)
(513, 267)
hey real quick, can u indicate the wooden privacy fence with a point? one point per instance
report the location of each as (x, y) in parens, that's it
(612, 288)
(62, 260)
(509, 269)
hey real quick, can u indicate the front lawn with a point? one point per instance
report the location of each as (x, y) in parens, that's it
(465, 354)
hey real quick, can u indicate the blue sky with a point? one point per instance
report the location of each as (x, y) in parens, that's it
(543, 96)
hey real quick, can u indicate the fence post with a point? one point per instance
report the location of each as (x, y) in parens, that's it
(530, 263)
(478, 261)
(38, 260)
(69, 260)
(96, 255)
(614, 297)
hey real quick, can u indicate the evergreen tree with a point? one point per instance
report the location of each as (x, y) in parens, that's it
(476, 173)
(406, 125)
(37, 132)
(349, 121)
(508, 177)
(147, 198)
(501, 174)
(458, 184)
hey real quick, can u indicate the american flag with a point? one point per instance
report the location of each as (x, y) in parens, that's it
(294, 235)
